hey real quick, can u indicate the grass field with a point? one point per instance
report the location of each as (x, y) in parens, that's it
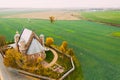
(49, 56)
(97, 51)
(103, 16)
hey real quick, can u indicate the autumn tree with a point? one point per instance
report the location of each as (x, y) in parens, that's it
(2, 44)
(49, 41)
(16, 60)
(63, 46)
(70, 52)
(52, 19)
(13, 58)
(2, 41)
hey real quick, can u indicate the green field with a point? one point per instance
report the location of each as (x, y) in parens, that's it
(97, 51)
(111, 17)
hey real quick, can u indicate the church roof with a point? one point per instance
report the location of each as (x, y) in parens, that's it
(35, 47)
(32, 42)
(25, 35)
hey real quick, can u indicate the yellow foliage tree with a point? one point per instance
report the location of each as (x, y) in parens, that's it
(70, 52)
(49, 41)
(63, 46)
(13, 58)
(62, 49)
(16, 60)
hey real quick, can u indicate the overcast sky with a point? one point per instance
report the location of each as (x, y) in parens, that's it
(59, 3)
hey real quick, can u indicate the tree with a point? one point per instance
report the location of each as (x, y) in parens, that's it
(49, 41)
(52, 19)
(2, 44)
(13, 58)
(63, 46)
(62, 49)
(70, 52)
(2, 41)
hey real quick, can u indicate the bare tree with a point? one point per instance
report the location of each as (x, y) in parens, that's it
(52, 19)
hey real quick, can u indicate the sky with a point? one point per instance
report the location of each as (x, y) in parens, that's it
(59, 3)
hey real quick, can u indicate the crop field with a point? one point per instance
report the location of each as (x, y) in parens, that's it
(97, 51)
(111, 17)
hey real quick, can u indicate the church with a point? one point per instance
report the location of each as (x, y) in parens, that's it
(29, 44)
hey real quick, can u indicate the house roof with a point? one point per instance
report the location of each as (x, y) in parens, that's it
(35, 47)
(25, 35)
(32, 42)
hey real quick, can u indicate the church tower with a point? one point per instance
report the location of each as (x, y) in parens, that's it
(16, 39)
(42, 39)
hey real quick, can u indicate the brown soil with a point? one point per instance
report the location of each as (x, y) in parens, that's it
(59, 15)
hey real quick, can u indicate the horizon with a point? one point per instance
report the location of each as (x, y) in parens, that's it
(61, 8)
(60, 4)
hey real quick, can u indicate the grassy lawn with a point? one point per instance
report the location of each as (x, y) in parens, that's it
(103, 16)
(97, 51)
(64, 62)
(49, 56)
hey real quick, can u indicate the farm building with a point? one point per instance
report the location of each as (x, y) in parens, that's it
(30, 44)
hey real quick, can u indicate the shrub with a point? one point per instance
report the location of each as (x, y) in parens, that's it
(49, 41)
